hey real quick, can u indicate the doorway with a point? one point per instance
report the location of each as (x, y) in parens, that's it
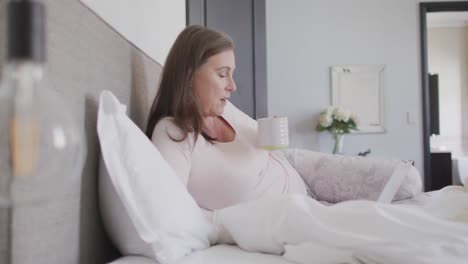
(435, 176)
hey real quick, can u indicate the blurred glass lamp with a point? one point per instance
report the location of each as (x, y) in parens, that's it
(42, 147)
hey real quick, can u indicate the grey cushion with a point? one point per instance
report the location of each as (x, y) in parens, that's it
(337, 178)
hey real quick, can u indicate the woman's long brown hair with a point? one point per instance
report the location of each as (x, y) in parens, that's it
(175, 97)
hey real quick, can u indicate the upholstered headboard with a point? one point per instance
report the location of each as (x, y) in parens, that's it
(85, 56)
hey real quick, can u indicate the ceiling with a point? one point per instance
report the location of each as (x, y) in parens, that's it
(447, 19)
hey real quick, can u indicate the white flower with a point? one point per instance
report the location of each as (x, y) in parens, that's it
(341, 114)
(325, 120)
(346, 115)
(338, 114)
(346, 120)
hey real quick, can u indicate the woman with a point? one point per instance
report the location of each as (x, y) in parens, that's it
(208, 141)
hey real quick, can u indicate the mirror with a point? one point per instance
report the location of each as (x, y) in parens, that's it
(359, 89)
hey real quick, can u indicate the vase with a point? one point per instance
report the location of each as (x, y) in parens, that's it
(338, 147)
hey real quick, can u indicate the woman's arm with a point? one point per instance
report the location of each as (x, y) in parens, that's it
(178, 155)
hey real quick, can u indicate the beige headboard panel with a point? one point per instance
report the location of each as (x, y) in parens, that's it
(85, 56)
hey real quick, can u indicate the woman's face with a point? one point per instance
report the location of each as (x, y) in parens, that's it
(213, 83)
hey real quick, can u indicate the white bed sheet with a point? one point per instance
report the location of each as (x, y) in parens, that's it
(420, 199)
(220, 254)
(227, 254)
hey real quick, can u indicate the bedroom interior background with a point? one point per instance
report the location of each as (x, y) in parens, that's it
(103, 59)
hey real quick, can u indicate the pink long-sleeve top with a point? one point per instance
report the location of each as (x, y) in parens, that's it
(226, 173)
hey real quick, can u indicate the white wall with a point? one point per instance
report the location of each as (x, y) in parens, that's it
(151, 25)
(305, 38)
(448, 57)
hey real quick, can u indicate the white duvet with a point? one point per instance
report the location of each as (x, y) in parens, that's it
(303, 230)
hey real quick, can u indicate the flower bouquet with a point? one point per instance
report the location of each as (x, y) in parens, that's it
(337, 121)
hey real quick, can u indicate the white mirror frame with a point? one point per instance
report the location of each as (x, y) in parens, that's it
(359, 88)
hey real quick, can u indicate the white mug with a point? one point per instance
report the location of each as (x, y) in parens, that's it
(273, 133)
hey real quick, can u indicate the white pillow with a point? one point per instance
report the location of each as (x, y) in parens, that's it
(162, 212)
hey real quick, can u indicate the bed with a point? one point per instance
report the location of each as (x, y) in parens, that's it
(228, 254)
(441, 248)
(233, 254)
